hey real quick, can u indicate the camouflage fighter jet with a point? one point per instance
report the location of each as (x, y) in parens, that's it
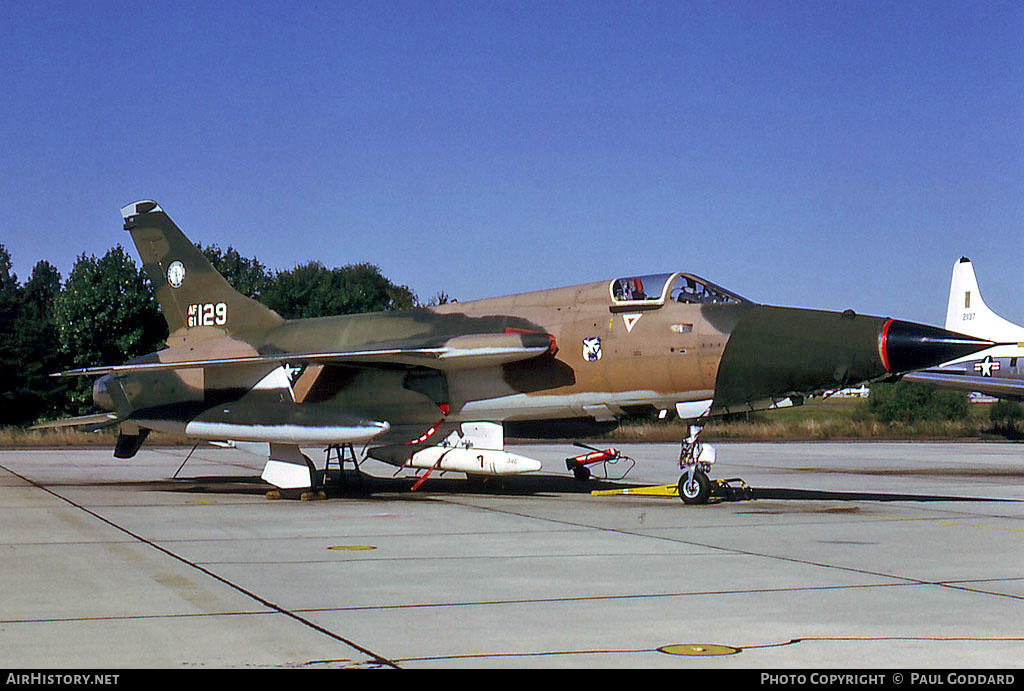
(439, 387)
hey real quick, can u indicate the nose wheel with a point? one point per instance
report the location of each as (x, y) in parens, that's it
(696, 460)
(695, 487)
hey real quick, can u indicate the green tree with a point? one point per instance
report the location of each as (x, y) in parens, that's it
(1007, 418)
(907, 402)
(248, 276)
(106, 314)
(1006, 411)
(10, 351)
(28, 353)
(37, 334)
(313, 290)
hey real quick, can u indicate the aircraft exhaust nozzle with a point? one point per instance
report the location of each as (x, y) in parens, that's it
(906, 346)
(101, 397)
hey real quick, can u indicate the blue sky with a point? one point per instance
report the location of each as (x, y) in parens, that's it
(820, 154)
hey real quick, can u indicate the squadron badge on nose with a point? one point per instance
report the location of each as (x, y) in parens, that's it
(592, 349)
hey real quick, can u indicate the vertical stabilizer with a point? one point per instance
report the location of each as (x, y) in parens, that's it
(195, 300)
(967, 313)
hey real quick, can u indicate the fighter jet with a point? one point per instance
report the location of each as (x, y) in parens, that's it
(996, 372)
(439, 387)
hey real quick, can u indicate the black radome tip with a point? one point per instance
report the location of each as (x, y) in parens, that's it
(906, 346)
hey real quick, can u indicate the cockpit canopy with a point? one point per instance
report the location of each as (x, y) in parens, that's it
(656, 289)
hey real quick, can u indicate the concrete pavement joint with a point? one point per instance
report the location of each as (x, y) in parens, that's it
(277, 608)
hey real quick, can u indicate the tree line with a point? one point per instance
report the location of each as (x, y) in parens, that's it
(105, 312)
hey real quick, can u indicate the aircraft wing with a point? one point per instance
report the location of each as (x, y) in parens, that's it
(459, 352)
(999, 387)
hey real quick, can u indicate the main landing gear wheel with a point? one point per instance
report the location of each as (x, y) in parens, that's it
(695, 490)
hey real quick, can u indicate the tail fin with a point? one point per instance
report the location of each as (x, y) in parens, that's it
(195, 300)
(968, 314)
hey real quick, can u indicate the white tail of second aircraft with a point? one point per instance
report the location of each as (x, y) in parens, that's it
(968, 314)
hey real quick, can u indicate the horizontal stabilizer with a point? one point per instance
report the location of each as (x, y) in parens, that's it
(460, 352)
(91, 422)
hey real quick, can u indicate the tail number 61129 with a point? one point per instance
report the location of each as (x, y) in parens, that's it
(207, 314)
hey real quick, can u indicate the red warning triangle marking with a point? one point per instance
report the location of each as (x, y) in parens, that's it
(630, 320)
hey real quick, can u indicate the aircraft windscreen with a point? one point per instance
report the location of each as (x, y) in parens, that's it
(689, 288)
(684, 288)
(639, 288)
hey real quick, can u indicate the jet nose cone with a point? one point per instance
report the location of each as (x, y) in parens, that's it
(906, 346)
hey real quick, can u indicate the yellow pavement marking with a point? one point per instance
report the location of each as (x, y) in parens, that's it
(352, 548)
(698, 649)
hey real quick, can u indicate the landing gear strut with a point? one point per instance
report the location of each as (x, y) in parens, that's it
(695, 487)
(342, 454)
(695, 460)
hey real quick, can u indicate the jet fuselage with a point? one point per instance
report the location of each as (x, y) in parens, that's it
(608, 358)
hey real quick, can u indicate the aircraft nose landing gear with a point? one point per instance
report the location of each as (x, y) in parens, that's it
(695, 460)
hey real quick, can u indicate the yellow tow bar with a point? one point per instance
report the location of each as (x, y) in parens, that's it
(733, 489)
(655, 491)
